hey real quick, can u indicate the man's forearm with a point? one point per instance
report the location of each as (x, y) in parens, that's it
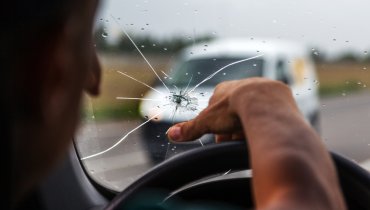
(288, 158)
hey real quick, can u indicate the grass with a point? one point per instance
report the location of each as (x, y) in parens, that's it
(342, 78)
(106, 106)
(335, 79)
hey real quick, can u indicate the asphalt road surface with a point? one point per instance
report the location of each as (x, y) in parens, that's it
(345, 123)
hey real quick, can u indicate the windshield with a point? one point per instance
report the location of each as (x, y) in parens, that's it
(194, 71)
(311, 46)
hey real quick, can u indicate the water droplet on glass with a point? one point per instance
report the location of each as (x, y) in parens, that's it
(334, 40)
(158, 136)
(142, 29)
(146, 117)
(165, 49)
(104, 34)
(147, 24)
(364, 68)
(364, 86)
(142, 46)
(224, 73)
(365, 52)
(198, 72)
(344, 94)
(359, 83)
(254, 64)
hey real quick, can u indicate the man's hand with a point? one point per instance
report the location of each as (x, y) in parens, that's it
(291, 167)
(230, 98)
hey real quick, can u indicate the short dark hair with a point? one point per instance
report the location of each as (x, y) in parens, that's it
(26, 26)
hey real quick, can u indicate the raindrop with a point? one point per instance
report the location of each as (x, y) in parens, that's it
(158, 136)
(104, 34)
(142, 46)
(344, 94)
(154, 45)
(147, 24)
(316, 53)
(254, 64)
(364, 86)
(359, 83)
(364, 68)
(334, 40)
(142, 29)
(224, 73)
(214, 33)
(365, 52)
(165, 49)
(198, 72)
(146, 117)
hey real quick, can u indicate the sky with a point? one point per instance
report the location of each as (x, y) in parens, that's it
(332, 26)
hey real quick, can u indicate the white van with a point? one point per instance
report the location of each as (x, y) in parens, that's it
(199, 68)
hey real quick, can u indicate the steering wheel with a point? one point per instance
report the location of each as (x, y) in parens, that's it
(219, 158)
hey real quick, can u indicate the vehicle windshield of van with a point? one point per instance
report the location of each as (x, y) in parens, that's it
(194, 71)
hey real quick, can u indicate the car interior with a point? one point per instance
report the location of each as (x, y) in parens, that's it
(110, 163)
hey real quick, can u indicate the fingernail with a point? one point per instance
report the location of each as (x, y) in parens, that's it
(174, 133)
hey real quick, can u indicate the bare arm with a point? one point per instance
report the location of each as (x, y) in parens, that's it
(291, 167)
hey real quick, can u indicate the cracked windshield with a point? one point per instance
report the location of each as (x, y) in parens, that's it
(162, 59)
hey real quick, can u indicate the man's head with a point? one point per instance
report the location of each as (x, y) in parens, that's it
(48, 60)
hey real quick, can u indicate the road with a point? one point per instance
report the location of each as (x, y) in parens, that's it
(345, 126)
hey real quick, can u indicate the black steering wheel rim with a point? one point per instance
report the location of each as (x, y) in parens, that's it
(219, 158)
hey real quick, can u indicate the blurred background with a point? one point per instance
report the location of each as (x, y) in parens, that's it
(334, 33)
